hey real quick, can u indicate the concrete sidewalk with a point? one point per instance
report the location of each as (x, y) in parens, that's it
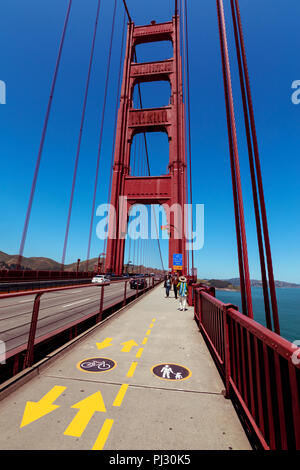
(123, 405)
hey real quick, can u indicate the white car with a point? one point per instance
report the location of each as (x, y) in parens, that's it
(100, 279)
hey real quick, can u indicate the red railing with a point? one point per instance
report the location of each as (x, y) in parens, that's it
(23, 356)
(260, 370)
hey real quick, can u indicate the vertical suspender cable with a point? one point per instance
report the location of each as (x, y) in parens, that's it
(252, 171)
(80, 135)
(45, 126)
(223, 38)
(100, 138)
(148, 169)
(189, 122)
(259, 176)
(116, 117)
(235, 199)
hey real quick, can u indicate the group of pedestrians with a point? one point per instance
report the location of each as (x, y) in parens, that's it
(180, 288)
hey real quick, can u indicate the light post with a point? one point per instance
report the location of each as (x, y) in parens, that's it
(77, 267)
(100, 263)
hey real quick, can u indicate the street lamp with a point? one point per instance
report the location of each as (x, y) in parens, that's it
(100, 263)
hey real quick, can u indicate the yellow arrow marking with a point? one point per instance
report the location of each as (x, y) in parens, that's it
(128, 345)
(103, 435)
(87, 407)
(105, 343)
(36, 410)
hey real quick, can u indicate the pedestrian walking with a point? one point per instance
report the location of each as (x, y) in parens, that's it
(167, 285)
(175, 282)
(182, 289)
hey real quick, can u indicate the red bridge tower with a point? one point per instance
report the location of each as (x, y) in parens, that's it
(169, 189)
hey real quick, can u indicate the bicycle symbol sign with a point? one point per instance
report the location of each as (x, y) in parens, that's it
(96, 364)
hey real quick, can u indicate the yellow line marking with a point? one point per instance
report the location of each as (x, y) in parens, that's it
(132, 369)
(148, 332)
(120, 396)
(151, 326)
(140, 352)
(153, 319)
(103, 435)
(145, 340)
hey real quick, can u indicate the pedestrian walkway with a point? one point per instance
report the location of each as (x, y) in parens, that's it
(104, 392)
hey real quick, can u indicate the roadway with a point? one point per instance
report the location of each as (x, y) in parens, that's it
(56, 310)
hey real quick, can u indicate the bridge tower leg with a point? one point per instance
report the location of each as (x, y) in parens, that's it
(168, 190)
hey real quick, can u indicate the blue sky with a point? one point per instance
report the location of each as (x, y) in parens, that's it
(30, 33)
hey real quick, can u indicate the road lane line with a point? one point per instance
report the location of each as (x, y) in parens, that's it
(153, 319)
(120, 396)
(151, 326)
(145, 340)
(148, 332)
(103, 435)
(132, 369)
(23, 301)
(139, 353)
(77, 302)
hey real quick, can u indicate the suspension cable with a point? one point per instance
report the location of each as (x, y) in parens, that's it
(101, 134)
(185, 13)
(252, 171)
(80, 135)
(45, 126)
(148, 169)
(116, 118)
(239, 215)
(258, 171)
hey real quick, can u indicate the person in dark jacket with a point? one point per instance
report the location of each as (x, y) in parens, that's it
(167, 285)
(175, 281)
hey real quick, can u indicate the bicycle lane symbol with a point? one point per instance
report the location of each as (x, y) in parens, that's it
(96, 364)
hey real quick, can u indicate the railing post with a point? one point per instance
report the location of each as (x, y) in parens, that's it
(30, 345)
(227, 368)
(152, 282)
(101, 305)
(125, 291)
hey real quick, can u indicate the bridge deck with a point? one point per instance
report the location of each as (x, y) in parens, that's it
(149, 413)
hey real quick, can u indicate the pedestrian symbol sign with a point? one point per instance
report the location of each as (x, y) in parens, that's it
(170, 371)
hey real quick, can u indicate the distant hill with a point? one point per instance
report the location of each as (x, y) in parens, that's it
(234, 283)
(47, 264)
(256, 283)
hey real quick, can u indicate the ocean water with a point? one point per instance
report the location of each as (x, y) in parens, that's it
(288, 307)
